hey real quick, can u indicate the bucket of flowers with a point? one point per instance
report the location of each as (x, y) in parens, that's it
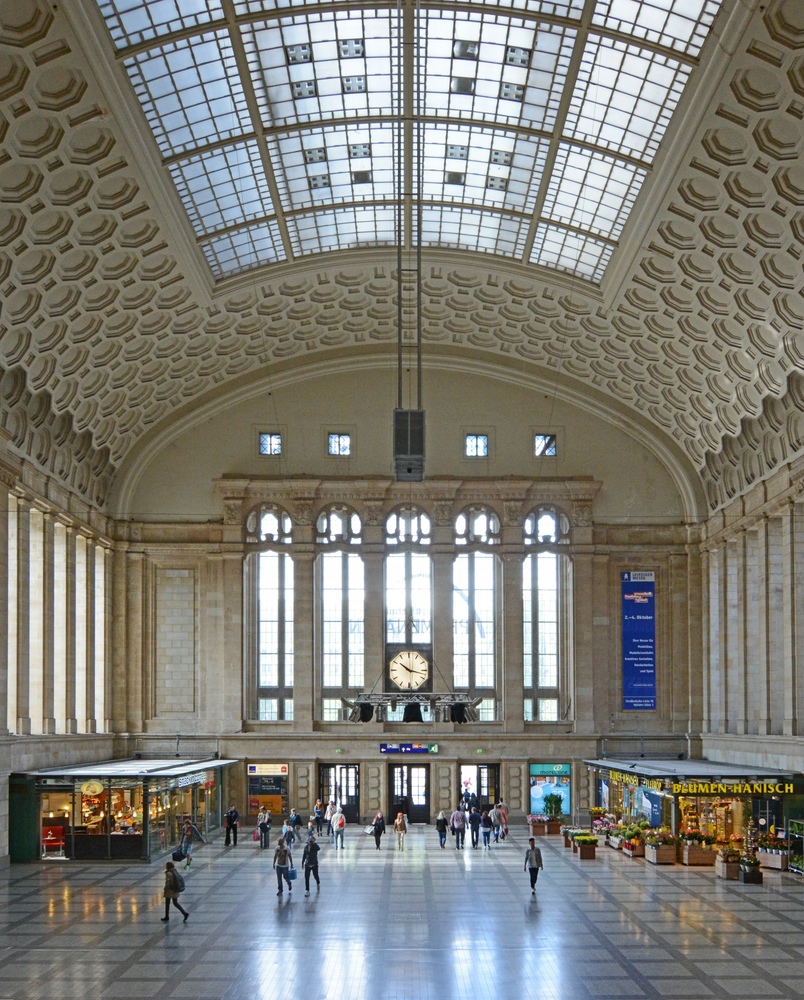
(749, 870)
(727, 863)
(660, 846)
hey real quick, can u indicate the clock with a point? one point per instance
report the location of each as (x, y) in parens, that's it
(409, 670)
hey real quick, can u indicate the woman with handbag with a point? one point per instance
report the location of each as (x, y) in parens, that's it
(378, 828)
(283, 861)
(400, 829)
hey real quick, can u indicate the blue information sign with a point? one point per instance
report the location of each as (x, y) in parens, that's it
(639, 641)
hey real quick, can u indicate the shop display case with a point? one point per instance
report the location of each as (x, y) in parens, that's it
(795, 845)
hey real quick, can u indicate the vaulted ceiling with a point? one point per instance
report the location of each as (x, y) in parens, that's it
(195, 192)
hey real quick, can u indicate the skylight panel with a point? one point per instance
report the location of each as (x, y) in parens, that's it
(342, 229)
(591, 191)
(581, 256)
(223, 187)
(368, 176)
(681, 25)
(131, 22)
(624, 97)
(190, 92)
(231, 253)
(473, 229)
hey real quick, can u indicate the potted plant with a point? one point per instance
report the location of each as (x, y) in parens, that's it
(537, 824)
(616, 835)
(749, 870)
(695, 847)
(727, 862)
(633, 845)
(586, 845)
(553, 805)
(660, 847)
(772, 852)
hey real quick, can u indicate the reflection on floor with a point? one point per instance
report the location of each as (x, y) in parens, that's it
(426, 923)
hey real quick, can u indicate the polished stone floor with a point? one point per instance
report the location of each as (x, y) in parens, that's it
(427, 923)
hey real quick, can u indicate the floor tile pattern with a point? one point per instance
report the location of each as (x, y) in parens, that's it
(422, 924)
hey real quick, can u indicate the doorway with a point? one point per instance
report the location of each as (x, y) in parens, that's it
(410, 791)
(481, 781)
(340, 783)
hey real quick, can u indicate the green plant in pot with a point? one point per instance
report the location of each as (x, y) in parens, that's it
(553, 806)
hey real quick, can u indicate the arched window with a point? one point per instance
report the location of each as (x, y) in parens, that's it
(545, 600)
(270, 528)
(474, 605)
(408, 592)
(342, 607)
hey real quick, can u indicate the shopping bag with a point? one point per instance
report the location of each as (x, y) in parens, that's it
(178, 856)
(255, 835)
(368, 831)
(292, 874)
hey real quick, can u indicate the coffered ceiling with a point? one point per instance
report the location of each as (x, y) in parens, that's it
(194, 193)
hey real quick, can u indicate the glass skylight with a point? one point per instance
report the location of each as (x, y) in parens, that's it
(278, 120)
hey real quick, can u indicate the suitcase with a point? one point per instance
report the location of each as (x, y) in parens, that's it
(178, 856)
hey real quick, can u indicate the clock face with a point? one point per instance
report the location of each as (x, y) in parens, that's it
(408, 670)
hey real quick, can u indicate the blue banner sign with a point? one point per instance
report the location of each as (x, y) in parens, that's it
(408, 748)
(639, 641)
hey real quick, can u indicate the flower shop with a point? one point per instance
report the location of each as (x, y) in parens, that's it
(699, 813)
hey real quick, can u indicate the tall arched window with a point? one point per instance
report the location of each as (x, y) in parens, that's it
(545, 594)
(408, 589)
(270, 528)
(342, 602)
(474, 605)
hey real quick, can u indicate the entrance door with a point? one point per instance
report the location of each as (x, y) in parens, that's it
(410, 791)
(482, 781)
(340, 783)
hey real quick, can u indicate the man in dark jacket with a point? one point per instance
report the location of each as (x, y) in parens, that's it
(310, 864)
(230, 823)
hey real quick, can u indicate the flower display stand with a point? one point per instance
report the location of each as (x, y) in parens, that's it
(727, 869)
(634, 848)
(750, 876)
(567, 841)
(615, 842)
(697, 854)
(663, 854)
(586, 852)
(772, 859)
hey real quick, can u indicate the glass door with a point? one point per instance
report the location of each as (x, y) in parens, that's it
(340, 783)
(410, 792)
(480, 785)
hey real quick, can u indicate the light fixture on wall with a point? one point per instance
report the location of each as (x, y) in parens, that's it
(409, 149)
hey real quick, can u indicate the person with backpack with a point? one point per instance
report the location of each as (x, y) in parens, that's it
(474, 826)
(174, 884)
(264, 826)
(310, 864)
(338, 826)
(457, 823)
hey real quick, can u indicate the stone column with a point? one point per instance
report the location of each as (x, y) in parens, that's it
(70, 712)
(7, 479)
(118, 630)
(232, 632)
(443, 675)
(374, 634)
(793, 614)
(23, 618)
(510, 671)
(48, 627)
(304, 686)
(138, 707)
(89, 639)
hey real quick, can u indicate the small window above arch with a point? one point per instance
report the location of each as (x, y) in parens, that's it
(546, 525)
(269, 523)
(339, 524)
(407, 525)
(477, 525)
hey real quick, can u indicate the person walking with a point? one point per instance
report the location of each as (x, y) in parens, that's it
(318, 815)
(502, 808)
(230, 822)
(486, 828)
(283, 861)
(400, 829)
(174, 884)
(457, 822)
(474, 825)
(338, 826)
(329, 812)
(496, 822)
(441, 827)
(379, 828)
(188, 838)
(264, 826)
(310, 864)
(295, 822)
(533, 864)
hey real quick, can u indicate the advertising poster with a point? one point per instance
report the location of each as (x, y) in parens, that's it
(547, 779)
(639, 641)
